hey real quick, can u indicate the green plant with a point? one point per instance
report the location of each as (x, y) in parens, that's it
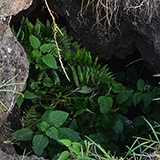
(48, 131)
(144, 148)
(98, 105)
(2, 89)
(87, 151)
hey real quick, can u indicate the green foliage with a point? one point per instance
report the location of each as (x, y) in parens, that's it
(92, 104)
(145, 148)
(48, 130)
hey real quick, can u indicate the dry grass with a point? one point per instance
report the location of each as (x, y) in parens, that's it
(109, 12)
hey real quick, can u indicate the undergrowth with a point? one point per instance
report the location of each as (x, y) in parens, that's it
(58, 114)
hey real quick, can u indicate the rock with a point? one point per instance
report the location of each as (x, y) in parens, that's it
(97, 38)
(137, 25)
(12, 7)
(147, 38)
(14, 65)
(4, 156)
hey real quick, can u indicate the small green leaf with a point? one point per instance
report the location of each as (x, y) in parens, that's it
(117, 87)
(47, 82)
(36, 53)
(140, 85)
(75, 148)
(123, 96)
(29, 95)
(138, 121)
(46, 48)
(64, 155)
(24, 134)
(57, 118)
(147, 98)
(52, 133)
(39, 143)
(42, 126)
(118, 127)
(20, 101)
(137, 98)
(105, 104)
(65, 142)
(75, 76)
(50, 61)
(35, 43)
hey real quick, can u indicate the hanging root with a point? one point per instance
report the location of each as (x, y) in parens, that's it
(55, 30)
(108, 12)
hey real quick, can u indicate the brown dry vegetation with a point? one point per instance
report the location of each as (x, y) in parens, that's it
(109, 12)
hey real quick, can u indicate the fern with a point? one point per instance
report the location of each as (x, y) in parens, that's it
(86, 74)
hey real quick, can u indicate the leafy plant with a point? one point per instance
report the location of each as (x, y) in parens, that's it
(48, 131)
(97, 105)
(89, 151)
(145, 148)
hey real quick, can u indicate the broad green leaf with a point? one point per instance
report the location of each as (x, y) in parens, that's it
(36, 53)
(24, 134)
(118, 127)
(45, 116)
(39, 143)
(50, 61)
(147, 98)
(116, 87)
(35, 43)
(29, 95)
(138, 121)
(46, 48)
(105, 104)
(123, 96)
(140, 85)
(67, 133)
(137, 98)
(42, 126)
(75, 148)
(65, 142)
(52, 133)
(64, 155)
(57, 118)
(47, 82)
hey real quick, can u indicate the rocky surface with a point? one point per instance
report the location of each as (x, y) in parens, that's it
(13, 59)
(4, 156)
(117, 42)
(135, 29)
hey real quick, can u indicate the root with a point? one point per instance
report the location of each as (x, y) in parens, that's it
(108, 13)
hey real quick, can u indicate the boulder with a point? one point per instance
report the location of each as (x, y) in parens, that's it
(4, 156)
(115, 28)
(14, 65)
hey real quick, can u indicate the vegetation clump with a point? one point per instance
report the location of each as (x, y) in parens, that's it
(93, 104)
